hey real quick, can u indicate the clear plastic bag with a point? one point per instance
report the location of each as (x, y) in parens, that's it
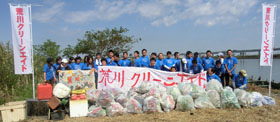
(122, 99)
(268, 100)
(214, 84)
(257, 99)
(154, 92)
(228, 99)
(167, 103)
(140, 98)
(196, 91)
(151, 105)
(96, 111)
(244, 98)
(144, 87)
(115, 109)
(185, 88)
(116, 92)
(174, 92)
(105, 98)
(185, 103)
(133, 106)
(203, 102)
(214, 97)
(92, 95)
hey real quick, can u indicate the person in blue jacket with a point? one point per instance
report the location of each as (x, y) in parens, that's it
(240, 80)
(78, 65)
(89, 65)
(196, 57)
(125, 62)
(154, 55)
(57, 63)
(71, 61)
(111, 55)
(220, 70)
(159, 61)
(189, 59)
(230, 64)
(63, 66)
(145, 61)
(49, 72)
(168, 62)
(211, 75)
(208, 61)
(153, 64)
(195, 67)
(177, 61)
(137, 60)
(97, 61)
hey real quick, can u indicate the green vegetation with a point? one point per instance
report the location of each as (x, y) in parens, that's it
(19, 87)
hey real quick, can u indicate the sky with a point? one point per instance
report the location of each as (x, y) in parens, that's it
(163, 25)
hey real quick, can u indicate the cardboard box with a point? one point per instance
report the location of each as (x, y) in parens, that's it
(78, 106)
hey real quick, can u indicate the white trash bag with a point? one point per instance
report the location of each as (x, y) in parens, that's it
(214, 84)
(228, 99)
(133, 106)
(122, 99)
(174, 92)
(144, 87)
(268, 100)
(151, 105)
(214, 97)
(61, 91)
(92, 95)
(96, 111)
(244, 98)
(115, 109)
(185, 88)
(257, 99)
(167, 103)
(184, 103)
(203, 102)
(196, 91)
(105, 98)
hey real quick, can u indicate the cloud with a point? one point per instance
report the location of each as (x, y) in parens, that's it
(159, 12)
(49, 14)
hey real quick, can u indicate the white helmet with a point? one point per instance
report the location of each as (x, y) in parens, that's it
(64, 61)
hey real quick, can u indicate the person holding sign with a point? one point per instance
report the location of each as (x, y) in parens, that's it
(125, 62)
(77, 65)
(195, 67)
(153, 64)
(159, 61)
(145, 61)
(137, 61)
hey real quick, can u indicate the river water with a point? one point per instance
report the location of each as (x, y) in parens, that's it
(254, 70)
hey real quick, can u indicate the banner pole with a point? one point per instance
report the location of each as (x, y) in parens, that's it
(31, 35)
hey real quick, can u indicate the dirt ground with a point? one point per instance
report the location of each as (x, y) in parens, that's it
(251, 114)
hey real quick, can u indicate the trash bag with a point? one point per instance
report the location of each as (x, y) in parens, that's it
(96, 111)
(203, 102)
(214, 97)
(140, 98)
(268, 100)
(144, 87)
(115, 109)
(167, 103)
(257, 99)
(133, 106)
(61, 91)
(184, 103)
(161, 89)
(196, 91)
(151, 105)
(228, 99)
(92, 95)
(244, 98)
(214, 84)
(122, 99)
(105, 98)
(185, 88)
(154, 92)
(174, 92)
(132, 92)
(115, 92)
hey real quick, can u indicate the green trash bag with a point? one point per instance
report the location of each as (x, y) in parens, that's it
(184, 103)
(228, 99)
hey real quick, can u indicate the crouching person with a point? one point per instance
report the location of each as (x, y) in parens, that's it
(240, 80)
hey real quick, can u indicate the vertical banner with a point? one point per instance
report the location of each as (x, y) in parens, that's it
(267, 35)
(21, 35)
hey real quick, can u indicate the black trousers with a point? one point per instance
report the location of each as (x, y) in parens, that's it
(222, 77)
(227, 76)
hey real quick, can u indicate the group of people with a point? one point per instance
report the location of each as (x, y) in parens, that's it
(221, 69)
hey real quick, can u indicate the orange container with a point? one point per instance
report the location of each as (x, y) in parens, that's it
(78, 97)
(44, 91)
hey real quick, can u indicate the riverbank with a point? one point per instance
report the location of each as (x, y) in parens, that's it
(250, 114)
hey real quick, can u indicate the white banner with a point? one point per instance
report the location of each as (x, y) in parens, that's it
(128, 77)
(21, 35)
(267, 35)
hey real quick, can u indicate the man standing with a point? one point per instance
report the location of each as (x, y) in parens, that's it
(196, 57)
(125, 62)
(230, 65)
(145, 61)
(208, 61)
(159, 61)
(189, 59)
(111, 55)
(137, 61)
(168, 62)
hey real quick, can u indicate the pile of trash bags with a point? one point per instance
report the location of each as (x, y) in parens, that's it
(151, 98)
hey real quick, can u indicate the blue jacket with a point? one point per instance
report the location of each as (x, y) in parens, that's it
(208, 62)
(230, 63)
(196, 69)
(239, 81)
(49, 71)
(214, 76)
(168, 63)
(145, 61)
(125, 63)
(76, 66)
(137, 62)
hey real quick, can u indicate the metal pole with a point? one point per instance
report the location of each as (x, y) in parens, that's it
(33, 83)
